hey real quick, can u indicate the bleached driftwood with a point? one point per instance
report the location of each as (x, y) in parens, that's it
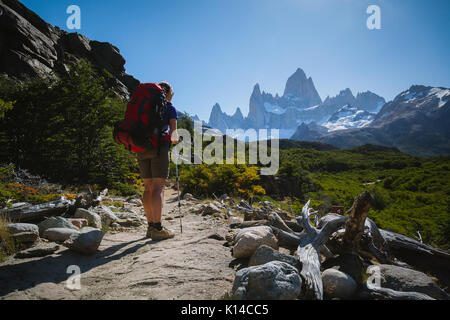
(309, 249)
(38, 212)
(276, 221)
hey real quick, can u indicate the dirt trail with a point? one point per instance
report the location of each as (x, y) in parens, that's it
(129, 266)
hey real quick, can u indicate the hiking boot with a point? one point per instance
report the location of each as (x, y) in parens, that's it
(149, 232)
(162, 234)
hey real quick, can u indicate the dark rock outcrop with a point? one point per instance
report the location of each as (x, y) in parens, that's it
(29, 46)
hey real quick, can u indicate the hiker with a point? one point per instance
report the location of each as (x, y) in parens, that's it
(154, 169)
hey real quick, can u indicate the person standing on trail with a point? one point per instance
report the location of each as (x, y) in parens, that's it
(154, 169)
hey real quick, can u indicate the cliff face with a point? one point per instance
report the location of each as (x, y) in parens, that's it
(29, 46)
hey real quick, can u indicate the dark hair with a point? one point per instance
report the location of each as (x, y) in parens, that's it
(166, 86)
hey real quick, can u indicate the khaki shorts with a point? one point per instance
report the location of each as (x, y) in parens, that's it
(153, 166)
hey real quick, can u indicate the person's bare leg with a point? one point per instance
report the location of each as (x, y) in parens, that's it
(146, 199)
(157, 199)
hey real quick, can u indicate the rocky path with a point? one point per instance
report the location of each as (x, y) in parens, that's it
(193, 265)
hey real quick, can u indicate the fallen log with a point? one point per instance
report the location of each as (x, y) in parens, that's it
(248, 224)
(370, 292)
(276, 221)
(419, 255)
(288, 240)
(38, 212)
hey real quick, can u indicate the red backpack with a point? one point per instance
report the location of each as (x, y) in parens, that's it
(144, 125)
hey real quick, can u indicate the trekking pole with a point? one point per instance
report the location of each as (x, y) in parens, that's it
(178, 188)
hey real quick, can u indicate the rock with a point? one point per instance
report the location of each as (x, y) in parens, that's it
(236, 220)
(26, 237)
(15, 228)
(247, 240)
(337, 284)
(58, 234)
(216, 236)
(55, 222)
(350, 264)
(41, 250)
(136, 202)
(189, 197)
(32, 47)
(85, 242)
(275, 280)
(265, 254)
(408, 280)
(115, 225)
(107, 216)
(93, 219)
(79, 223)
(130, 219)
(210, 209)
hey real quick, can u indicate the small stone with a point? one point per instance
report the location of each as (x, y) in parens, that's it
(210, 209)
(79, 223)
(337, 284)
(93, 219)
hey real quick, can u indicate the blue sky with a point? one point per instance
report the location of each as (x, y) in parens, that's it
(216, 50)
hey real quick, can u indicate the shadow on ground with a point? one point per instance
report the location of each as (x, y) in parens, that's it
(26, 275)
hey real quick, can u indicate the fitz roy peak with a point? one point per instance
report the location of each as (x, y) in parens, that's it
(300, 103)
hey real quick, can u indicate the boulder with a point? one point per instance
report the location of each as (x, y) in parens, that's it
(408, 280)
(210, 209)
(79, 223)
(55, 222)
(41, 250)
(58, 234)
(108, 217)
(85, 242)
(130, 219)
(26, 237)
(93, 219)
(247, 240)
(16, 228)
(265, 254)
(337, 284)
(275, 280)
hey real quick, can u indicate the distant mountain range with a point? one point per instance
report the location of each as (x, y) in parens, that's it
(416, 121)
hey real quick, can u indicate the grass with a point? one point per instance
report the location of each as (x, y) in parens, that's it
(7, 244)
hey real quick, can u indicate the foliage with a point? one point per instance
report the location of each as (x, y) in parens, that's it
(411, 194)
(206, 180)
(61, 128)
